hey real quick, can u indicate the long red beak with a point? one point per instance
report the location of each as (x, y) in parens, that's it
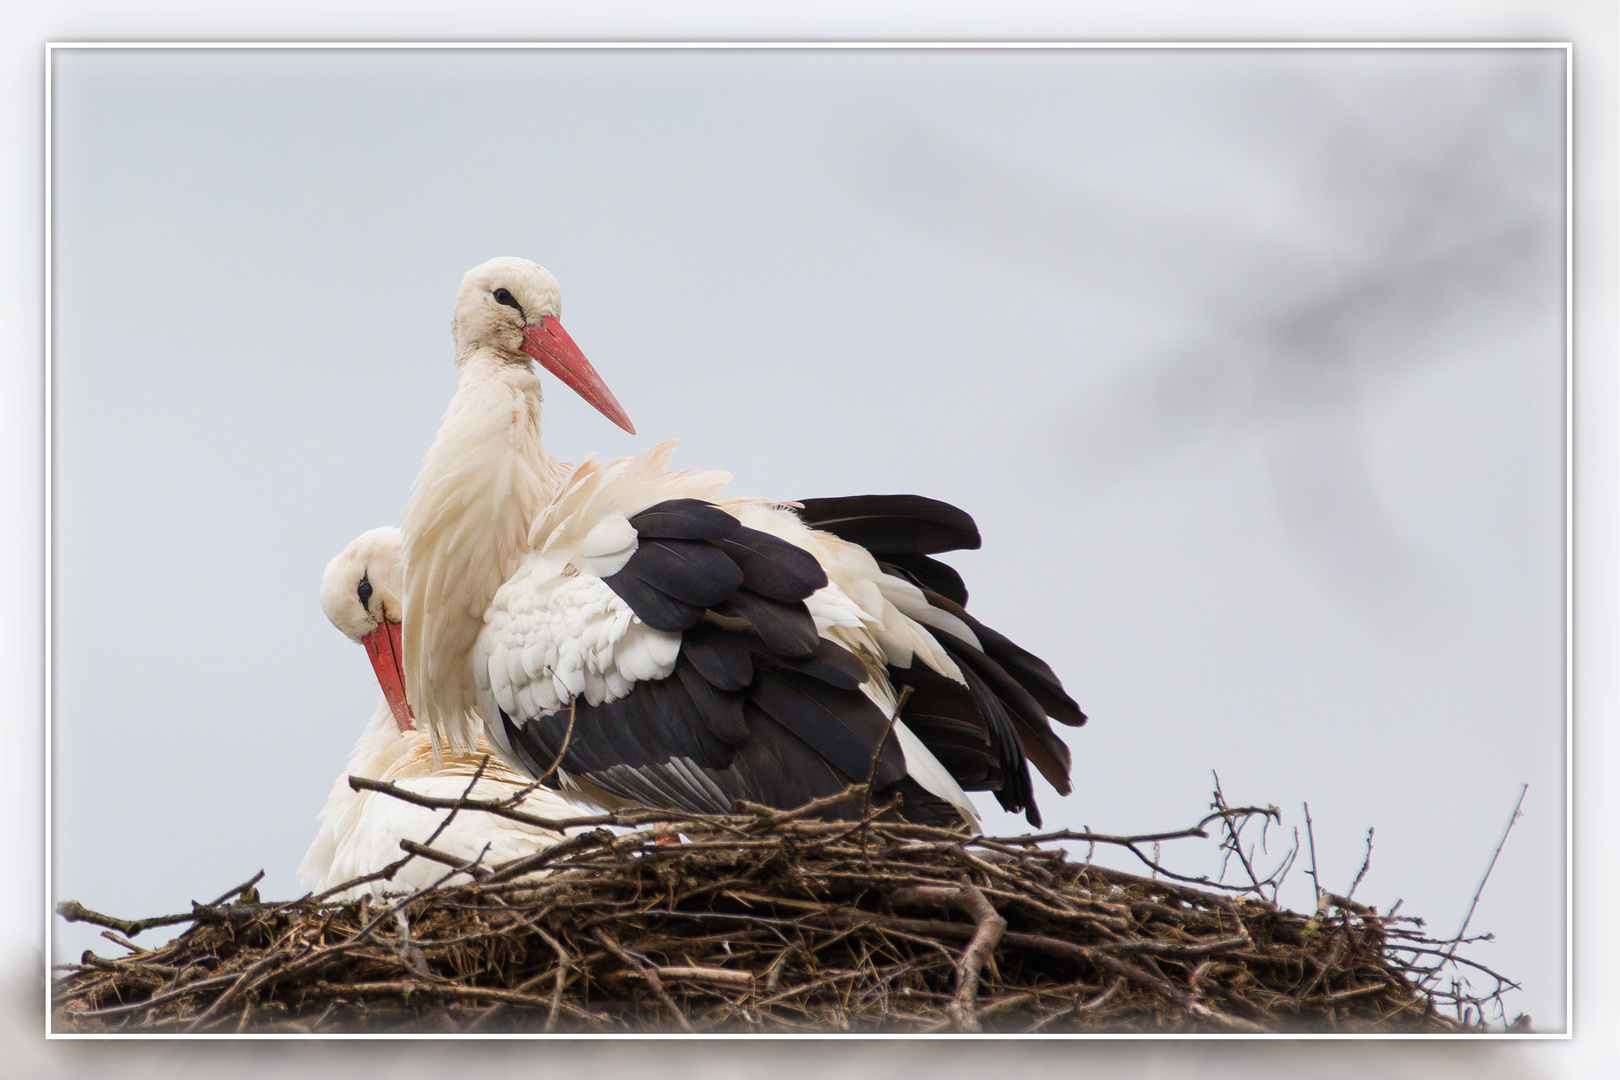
(550, 344)
(387, 654)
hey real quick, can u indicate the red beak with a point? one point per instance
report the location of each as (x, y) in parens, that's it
(550, 344)
(388, 661)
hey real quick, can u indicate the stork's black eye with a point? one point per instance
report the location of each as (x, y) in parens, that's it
(364, 591)
(504, 297)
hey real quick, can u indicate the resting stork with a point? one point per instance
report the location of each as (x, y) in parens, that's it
(703, 649)
(360, 831)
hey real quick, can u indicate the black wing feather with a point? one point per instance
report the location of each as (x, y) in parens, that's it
(721, 656)
(1033, 673)
(722, 710)
(783, 770)
(635, 747)
(773, 567)
(701, 563)
(942, 713)
(787, 629)
(831, 663)
(1016, 792)
(930, 574)
(685, 519)
(653, 725)
(776, 694)
(523, 744)
(652, 606)
(1021, 706)
(894, 524)
(692, 571)
(843, 726)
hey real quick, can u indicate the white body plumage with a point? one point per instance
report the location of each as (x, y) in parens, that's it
(360, 831)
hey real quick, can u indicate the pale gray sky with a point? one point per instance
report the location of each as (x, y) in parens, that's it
(1249, 365)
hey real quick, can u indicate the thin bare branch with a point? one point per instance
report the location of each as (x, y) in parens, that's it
(1474, 903)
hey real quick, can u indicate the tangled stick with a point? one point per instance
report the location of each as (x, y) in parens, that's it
(988, 928)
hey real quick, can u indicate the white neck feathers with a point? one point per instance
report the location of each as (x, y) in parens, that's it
(466, 525)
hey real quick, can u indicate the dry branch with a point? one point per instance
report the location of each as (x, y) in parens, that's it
(988, 927)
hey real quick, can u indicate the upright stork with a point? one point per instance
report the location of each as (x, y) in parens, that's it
(681, 649)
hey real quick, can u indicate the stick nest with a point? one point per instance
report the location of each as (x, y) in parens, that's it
(774, 922)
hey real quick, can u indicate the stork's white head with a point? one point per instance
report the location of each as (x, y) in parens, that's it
(360, 595)
(512, 307)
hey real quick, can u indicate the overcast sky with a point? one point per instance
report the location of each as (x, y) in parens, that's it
(1248, 364)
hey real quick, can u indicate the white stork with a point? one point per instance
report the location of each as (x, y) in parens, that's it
(360, 831)
(710, 648)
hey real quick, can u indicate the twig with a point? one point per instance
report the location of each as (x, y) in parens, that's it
(1087, 836)
(1281, 873)
(988, 928)
(161, 999)
(562, 751)
(236, 988)
(1103, 998)
(1234, 832)
(1310, 834)
(119, 939)
(478, 774)
(1366, 862)
(321, 955)
(877, 754)
(443, 858)
(562, 974)
(693, 973)
(768, 818)
(576, 843)
(649, 975)
(499, 809)
(1079, 1007)
(1344, 903)
(73, 911)
(1138, 974)
(1171, 948)
(1472, 904)
(1476, 965)
(242, 888)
